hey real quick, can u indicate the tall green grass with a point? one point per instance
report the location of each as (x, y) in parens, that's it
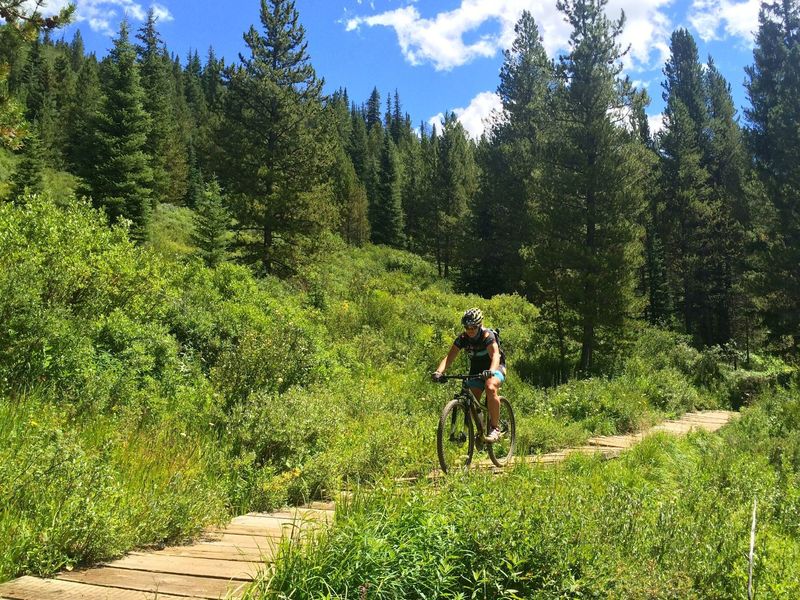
(671, 519)
(73, 492)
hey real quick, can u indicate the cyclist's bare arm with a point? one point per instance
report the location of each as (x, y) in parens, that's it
(494, 354)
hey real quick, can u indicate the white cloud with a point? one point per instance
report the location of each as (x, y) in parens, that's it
(162, 13)
(104, 15)
(647, 31)
(736, 19)
(655, 123)
(440, 40)
(51, 8)
(474, 117)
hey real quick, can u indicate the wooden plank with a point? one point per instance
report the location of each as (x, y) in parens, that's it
(183, 565)
(612, 442)
(711, 422)
(247, 520)
(706, 417)
(33, 588)
(219, 552)
(163, 583)
(273, 530)
(328, 505)
(672, 427)
(246, 541)
(302, 514)
(315, 517)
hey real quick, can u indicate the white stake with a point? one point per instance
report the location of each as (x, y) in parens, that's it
(752, 550)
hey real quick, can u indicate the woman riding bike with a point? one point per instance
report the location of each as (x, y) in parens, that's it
(485, 359)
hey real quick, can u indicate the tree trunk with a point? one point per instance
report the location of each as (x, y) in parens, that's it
(589, 288)
(562, 350)
(265, 258)
(587, 348)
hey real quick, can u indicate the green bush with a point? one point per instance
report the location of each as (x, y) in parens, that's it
(170, 231)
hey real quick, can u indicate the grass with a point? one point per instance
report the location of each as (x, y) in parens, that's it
(671, 519)
(75, 494)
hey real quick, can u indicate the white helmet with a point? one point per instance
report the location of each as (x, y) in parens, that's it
(473, 317)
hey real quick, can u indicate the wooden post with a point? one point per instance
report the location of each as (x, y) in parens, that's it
(752, 551)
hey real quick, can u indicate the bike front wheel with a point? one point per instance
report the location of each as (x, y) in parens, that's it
(502, 450)
(455, 438)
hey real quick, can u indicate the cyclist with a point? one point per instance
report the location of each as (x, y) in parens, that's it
(485, 359)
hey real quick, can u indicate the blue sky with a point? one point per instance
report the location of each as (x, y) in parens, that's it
(439, 54)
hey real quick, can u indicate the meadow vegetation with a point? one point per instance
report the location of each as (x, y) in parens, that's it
(670, 519)
(144, 395)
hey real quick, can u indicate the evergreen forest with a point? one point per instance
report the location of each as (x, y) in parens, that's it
(223, 289)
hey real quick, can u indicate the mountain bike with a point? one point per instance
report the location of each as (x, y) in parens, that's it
(463, 425)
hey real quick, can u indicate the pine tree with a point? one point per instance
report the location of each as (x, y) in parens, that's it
(703, 192)
(81, 117)
(457, 182)
(685, 81)
(208, 153)
(36, 83)
(213, 86)
(164, 146)
(773, 87)
(38, 88)
(121, 180)
(23, 23)
(419, 199)
(351, 198)
(586, 235)
(686, 217)
(373, 109)
(193, 90)
(65, 80)
(729, 174)
(386, 210)
(372, 165)
(27, 179)
(76, 51)
(277, 151)
(509, 161)
(337, 109)
(212, 224)
(654, 282)
(397, 124)
(413, 194)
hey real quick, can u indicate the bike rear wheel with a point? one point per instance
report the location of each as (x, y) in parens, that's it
(455, 437)
(501, 451)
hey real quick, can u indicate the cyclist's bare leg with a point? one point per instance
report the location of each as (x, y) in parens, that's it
(493, 400)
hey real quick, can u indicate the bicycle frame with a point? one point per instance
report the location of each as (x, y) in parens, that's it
(472, 407)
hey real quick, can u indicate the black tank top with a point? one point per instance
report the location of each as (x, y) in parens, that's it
(478, 350)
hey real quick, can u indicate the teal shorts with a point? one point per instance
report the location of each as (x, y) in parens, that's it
(480, 383)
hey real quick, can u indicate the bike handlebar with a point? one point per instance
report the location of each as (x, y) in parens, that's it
(461, 377)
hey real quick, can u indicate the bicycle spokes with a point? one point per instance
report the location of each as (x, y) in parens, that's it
(454, 440)
(502, 450)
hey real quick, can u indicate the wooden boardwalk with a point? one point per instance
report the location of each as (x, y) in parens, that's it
(225, 561)
(613, 445)
(220, 565)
